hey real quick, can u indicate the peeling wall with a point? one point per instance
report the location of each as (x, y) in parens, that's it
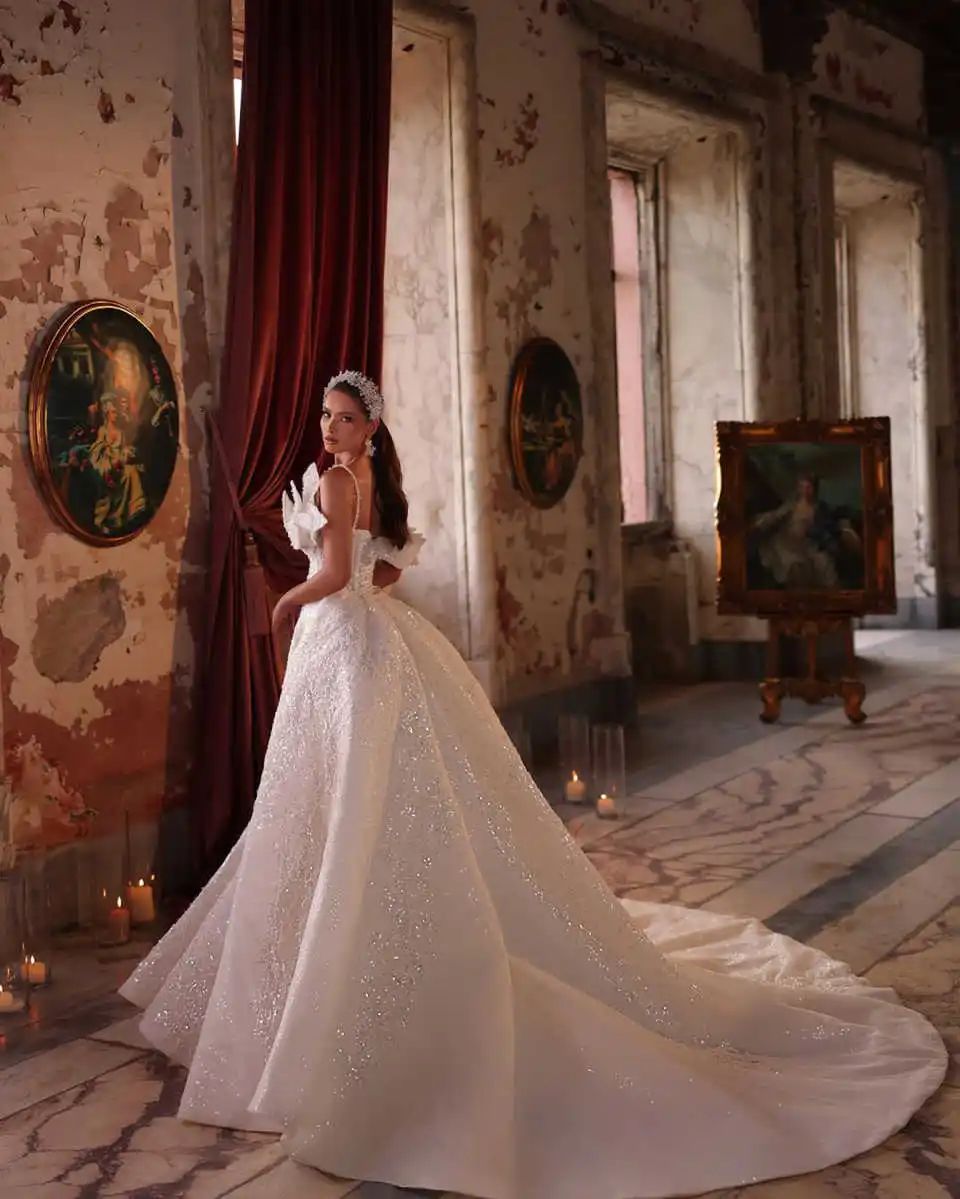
(540, 205)
(532, 200)
(100, 158)
(422, 399)
(728, 28)
(557, 621)
(871, 71)
(890, 379)
(114, 167)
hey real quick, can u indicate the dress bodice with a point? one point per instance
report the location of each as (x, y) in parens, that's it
(304, 523)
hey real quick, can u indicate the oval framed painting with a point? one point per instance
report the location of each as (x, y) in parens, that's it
(104, 422)
(545, 426)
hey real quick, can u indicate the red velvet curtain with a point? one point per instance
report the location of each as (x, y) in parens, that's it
(305, 301)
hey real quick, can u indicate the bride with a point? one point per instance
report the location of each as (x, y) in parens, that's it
(409, 969)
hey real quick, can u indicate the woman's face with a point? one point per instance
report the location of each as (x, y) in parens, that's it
(346, 425)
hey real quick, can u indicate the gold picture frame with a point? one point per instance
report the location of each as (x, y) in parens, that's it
(104, 422)
(545, 423)
(805, 518)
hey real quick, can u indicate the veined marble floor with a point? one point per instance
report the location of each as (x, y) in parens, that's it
(845, 838)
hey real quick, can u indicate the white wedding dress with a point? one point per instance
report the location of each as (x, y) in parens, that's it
(408, 967)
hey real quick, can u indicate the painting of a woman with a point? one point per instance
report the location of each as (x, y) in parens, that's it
(805, 519)
(546, 422)
(104, 423)
(115, 463)
(806, 543)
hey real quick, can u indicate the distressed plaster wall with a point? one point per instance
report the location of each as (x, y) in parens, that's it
(559, 592)
(419, 381)
(891, 381)
(113, 188)
(706, 343)
(869, 70)
(540, 202)
(727, 29)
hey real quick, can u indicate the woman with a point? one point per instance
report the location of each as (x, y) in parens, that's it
(409, 969)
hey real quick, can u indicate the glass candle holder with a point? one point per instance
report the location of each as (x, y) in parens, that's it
(609, 767)
(11, 919)
(14, 993)
(33, 964)
(524, 746)
(574, 739)
(519, 734)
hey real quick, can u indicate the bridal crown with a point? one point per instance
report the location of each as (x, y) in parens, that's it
(369, 392)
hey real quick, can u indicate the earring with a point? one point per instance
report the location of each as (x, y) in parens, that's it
(371, 448)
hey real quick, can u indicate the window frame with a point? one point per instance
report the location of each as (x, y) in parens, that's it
(649, 179)
(844, 272)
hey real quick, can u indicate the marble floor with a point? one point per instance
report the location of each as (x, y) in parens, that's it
(845, 838)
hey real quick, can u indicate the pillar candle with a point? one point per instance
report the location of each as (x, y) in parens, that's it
(33, 972)
(140, 902)
(575, 790)
(118, 924)
(606, 808)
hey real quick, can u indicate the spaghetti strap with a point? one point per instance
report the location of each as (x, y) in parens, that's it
(356, 488)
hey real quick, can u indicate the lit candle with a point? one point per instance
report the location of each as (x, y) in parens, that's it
(33, 972)
(140, 899)
(606, 808)
(575, 790)
(118, 924)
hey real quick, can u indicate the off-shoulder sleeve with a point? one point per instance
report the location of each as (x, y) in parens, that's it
(401, 559)
(302, 517)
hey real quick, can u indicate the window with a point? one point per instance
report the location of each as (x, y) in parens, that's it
(636, 306)
(846, 324)
(237, 95)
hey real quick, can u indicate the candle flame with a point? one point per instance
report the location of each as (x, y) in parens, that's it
(31, 960)
(576, 777)
(141, 883)
(119, 902)
(104, 892)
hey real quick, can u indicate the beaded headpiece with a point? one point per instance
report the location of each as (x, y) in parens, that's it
(369, 392)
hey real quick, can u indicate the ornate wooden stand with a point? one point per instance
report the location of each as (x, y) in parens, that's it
(813, 687)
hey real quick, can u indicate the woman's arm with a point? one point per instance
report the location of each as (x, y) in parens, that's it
(337, 502)
(385, 574)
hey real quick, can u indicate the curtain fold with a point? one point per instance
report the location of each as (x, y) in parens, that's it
(305, 300)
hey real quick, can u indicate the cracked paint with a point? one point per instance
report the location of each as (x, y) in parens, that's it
(535, 220)
(98, 645)
(531, 169)
(870, 70)
(727, 28)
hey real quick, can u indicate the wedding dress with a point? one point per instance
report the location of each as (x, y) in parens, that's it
(408, 967)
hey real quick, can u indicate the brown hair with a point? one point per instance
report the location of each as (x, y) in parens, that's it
(390, 498)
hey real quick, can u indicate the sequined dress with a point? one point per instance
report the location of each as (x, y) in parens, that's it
(408, 968)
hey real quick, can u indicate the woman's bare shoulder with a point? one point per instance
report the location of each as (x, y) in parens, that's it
(337, 481)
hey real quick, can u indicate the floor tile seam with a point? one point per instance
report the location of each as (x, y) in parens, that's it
(589, 846)
(135, 1055)
(806, 845)
(883, 882)
(892, 952)
(87, 1035)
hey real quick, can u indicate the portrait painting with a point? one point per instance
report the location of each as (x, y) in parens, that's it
(545, 424)
(104, 423)
(804, 518)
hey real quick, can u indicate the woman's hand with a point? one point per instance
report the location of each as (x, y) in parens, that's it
(286, 608)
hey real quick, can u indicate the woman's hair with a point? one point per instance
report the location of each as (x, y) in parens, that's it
(389, 496)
